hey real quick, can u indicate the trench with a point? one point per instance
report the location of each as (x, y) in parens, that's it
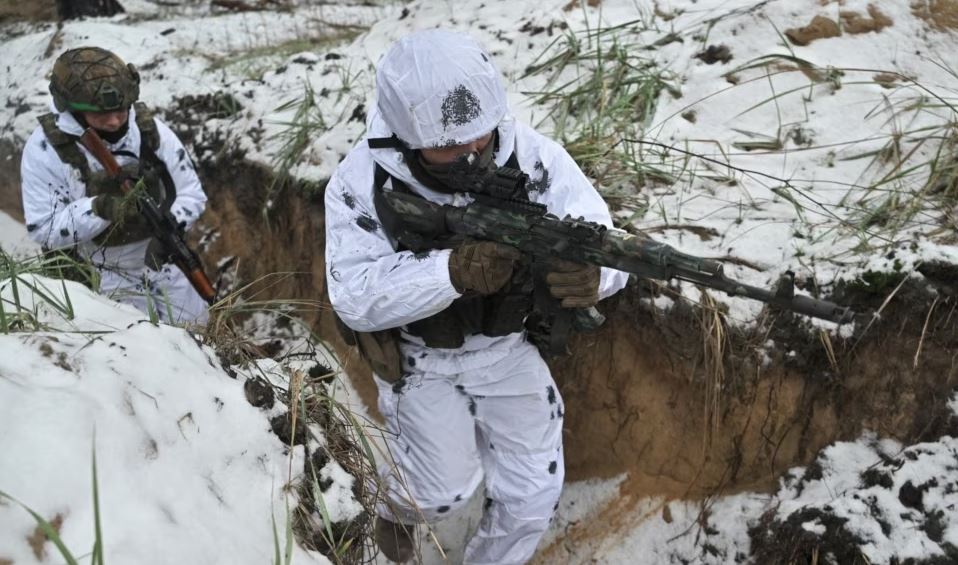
(637, 392)
(686, 406)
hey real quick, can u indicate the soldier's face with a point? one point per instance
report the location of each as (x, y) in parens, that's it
(446, 155)
(107, 121)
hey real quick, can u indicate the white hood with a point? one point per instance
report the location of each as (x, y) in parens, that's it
(438, 88)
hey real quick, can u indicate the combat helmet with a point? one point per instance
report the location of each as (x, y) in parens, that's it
(91, 79)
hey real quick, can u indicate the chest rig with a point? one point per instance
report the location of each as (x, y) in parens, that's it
(149, 164)
(496, 315)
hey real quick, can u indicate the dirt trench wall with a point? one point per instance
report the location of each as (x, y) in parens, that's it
(636, 391)
(636, 396)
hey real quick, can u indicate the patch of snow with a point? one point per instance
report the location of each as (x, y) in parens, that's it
(187, 470)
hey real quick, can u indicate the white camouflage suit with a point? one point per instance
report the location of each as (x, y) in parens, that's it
(59, 215)
(489, 409)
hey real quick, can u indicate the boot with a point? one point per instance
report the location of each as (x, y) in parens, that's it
(395, 540)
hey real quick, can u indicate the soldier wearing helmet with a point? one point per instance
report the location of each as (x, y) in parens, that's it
(70, 203)
(465, 396)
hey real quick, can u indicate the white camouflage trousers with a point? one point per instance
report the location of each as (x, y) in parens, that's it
(167, 292)
(447, 432)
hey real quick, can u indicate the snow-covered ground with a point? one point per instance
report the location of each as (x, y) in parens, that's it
(14, 239)
(187, 470)
(798, 198)
(785, 177)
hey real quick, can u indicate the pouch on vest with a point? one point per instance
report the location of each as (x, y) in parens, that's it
(380, 349)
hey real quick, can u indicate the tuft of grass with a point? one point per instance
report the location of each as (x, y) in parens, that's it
(311, 114)
(306, 123)
(600, 90)
(254, 61)
(312, 406)
(18, 274)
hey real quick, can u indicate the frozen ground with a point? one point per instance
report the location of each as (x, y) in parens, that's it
(787, 177)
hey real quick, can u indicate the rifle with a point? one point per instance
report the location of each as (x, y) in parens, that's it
(500, 212)
(162, 223)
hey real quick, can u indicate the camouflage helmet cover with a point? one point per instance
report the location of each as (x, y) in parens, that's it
(91, 79)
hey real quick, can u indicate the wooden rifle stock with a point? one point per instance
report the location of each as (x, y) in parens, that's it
(163, 225)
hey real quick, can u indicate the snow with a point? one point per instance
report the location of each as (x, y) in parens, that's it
(187, 470)
(14, 239)
(798, 209)
(219, 473)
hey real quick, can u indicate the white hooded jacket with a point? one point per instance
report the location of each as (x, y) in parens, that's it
(374, 287)
(58, 212)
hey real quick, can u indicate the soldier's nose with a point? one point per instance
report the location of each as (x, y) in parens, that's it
(115, 119)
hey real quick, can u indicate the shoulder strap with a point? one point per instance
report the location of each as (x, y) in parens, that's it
(393, 224)
(381, 175)
(149, 136)
(65, 145)
(149, 146)
(513, 162)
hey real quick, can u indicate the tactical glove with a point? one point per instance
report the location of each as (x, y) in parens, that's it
(482, 266)
(576, 284)
(115, 208)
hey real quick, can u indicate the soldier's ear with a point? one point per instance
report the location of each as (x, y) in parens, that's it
(133, 72)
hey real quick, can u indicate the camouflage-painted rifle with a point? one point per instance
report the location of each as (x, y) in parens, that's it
(499, 214)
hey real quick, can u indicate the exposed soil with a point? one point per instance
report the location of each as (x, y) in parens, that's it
(33, 10)
(852, 22)
(940, 14)
(819, 28)
(686, 407)
(11, 201)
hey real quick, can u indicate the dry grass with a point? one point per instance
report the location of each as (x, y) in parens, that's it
(715, 341)
(941, 15)
(38, 539)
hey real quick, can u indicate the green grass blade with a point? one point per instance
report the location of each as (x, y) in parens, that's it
(97, 525)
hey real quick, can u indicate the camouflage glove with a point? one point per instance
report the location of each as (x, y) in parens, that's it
(127, 224)
(117, 209)
(482, 266)
(156, 255)
(576, 284)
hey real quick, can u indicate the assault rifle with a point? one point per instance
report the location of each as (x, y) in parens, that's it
(501, 212)
(162, 223)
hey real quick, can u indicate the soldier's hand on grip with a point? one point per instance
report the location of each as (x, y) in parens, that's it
(576, 284)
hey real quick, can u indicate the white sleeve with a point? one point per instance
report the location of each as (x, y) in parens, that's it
(55, 206)
(372, 286)
(567, 191)
(190, 198)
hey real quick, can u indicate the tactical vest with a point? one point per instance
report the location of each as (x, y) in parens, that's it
(500, 314)
(68, 150)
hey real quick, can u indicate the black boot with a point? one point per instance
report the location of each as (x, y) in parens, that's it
(395, 540)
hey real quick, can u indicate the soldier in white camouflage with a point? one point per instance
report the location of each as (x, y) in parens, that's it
(70, 203)
(466, 397)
